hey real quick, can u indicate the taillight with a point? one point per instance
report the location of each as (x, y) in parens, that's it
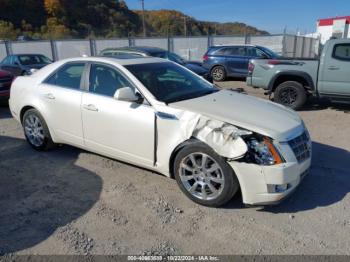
(273, 62)
(205, 58)
(251, 67)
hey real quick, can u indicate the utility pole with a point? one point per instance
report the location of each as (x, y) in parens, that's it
(185, 26)
(143, 17)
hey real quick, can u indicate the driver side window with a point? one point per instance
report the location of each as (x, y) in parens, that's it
(104, 80)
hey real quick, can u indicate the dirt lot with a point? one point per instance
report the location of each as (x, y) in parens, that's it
(69, 201)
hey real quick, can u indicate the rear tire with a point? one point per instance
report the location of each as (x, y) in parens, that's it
(36, 131)
(218, 73)
(291, 94)
(204, 176)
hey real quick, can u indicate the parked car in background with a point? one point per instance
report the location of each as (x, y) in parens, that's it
(292, 81)
(23, 64)
(232, 60)
(6, 79)
(158, 115)
(161, 53)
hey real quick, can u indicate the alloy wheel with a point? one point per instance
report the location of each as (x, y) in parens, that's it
(288, 96)
(34, 130)
(218, 73)
(202, 176)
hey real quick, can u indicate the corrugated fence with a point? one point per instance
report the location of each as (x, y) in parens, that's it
(191, 48)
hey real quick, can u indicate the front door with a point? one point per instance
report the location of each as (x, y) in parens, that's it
(119, 129)
(335, 75)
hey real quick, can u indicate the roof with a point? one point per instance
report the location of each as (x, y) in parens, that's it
(234, 45)
(122, 61)
(147, 49)
(330, 21)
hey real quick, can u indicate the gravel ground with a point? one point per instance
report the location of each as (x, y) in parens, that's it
(69, 201)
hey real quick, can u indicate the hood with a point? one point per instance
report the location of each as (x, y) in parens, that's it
(254, 114)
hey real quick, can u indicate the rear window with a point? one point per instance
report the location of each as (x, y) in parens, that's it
(342, 52)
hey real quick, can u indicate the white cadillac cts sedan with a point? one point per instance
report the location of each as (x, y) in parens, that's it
(159, 115)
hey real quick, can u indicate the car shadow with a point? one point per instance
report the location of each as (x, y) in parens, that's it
(40, 192)
(315, 103)
(4, 110)
(327, 184)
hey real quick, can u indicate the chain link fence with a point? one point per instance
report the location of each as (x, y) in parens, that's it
(190, 48)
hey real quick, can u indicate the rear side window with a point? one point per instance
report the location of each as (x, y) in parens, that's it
(238, 51)
(222, 51)
(68, 76)
(342, 52)
(104, 80)
(232, 51)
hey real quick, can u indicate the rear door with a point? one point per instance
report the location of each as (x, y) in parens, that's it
(61, 96)
(237, 61)
(335, 71)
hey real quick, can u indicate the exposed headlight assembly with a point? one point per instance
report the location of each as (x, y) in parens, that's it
(263, 152)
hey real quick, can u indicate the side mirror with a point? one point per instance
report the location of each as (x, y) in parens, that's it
(127, 94)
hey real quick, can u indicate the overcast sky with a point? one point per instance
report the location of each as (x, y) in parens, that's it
(270, 15)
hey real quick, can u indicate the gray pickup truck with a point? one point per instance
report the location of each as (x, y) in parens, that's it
(292, 81)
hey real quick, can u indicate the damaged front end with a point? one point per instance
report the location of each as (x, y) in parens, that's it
(235, 143)
(227, 140)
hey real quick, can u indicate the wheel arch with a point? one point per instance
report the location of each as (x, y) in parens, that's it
(190, 141)
(302, 77)
(24, 110)
(28, 107)
(176, 151)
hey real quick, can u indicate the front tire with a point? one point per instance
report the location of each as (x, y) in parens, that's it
(204, 176)
(36, 131)
(218, 73)
(291, 94)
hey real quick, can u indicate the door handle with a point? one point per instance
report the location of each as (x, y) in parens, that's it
(90, 107)
(333, 68)
(49, 96)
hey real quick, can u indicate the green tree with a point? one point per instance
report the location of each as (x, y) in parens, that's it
(7, 31)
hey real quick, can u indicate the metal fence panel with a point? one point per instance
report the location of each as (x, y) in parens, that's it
(110, 43)
(299, 46)
(228, 40)
(155, 42)
(191, 48)
(289, 41)
(38, 47)
(72, 48)
(307, 47)
(2, 50)
(275, 43)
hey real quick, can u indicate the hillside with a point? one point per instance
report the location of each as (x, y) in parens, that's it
(55, 19)
(172, 22)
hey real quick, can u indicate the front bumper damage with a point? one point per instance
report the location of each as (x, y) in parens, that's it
(258, 182)
(260, 185)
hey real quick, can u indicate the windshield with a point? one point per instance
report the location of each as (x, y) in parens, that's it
(268, 51)
(33, 59)
(170, 83)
